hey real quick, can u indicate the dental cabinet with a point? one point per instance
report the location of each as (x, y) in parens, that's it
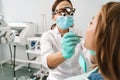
(22, 31)
(34, 49)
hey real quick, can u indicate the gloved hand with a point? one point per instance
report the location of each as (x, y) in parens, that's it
(69, 42)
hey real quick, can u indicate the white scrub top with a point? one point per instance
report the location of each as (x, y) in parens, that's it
(50, 44)
(83, 76)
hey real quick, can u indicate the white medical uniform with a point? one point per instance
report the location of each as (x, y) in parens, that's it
(50, 44)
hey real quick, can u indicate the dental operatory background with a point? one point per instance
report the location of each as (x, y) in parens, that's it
(34, 17)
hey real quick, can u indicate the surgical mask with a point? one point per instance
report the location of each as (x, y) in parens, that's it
(84, 62)
(64, 22)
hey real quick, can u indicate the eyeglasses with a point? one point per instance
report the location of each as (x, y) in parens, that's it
(64, 11)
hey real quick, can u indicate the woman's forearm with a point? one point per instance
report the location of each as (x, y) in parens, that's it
(53, 60)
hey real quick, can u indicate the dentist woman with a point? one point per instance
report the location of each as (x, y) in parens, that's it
(60, 47)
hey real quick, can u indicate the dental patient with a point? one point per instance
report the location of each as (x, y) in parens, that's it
(103, 36)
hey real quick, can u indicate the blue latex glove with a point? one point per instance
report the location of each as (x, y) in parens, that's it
(69, 42)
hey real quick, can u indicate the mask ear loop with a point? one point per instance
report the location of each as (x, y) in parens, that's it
(82, 63)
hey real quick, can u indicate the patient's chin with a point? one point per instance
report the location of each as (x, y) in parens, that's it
(88, 45)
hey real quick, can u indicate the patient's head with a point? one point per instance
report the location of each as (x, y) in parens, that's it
(103, 36)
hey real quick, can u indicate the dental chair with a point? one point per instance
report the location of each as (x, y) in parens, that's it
(6, 36)
(22, 31)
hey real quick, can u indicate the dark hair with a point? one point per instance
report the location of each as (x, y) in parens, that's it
(53, 26)
(57, 2)
(107, 38)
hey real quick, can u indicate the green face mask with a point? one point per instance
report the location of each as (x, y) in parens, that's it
(84, 63)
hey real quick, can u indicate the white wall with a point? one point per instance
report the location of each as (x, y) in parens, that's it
(0, 14)
(31, 10)
(0, 8)
(0, 54)
(27, 11)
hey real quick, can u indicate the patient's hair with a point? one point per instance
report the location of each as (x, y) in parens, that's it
(107, 39)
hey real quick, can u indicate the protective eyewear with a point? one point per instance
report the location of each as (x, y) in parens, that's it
(65, 11)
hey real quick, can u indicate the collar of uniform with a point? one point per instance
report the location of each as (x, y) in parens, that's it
(56, 30)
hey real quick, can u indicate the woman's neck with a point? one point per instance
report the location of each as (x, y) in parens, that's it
(62, 32)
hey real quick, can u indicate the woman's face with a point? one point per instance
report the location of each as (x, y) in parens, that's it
(61, 5)
(89, 43)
